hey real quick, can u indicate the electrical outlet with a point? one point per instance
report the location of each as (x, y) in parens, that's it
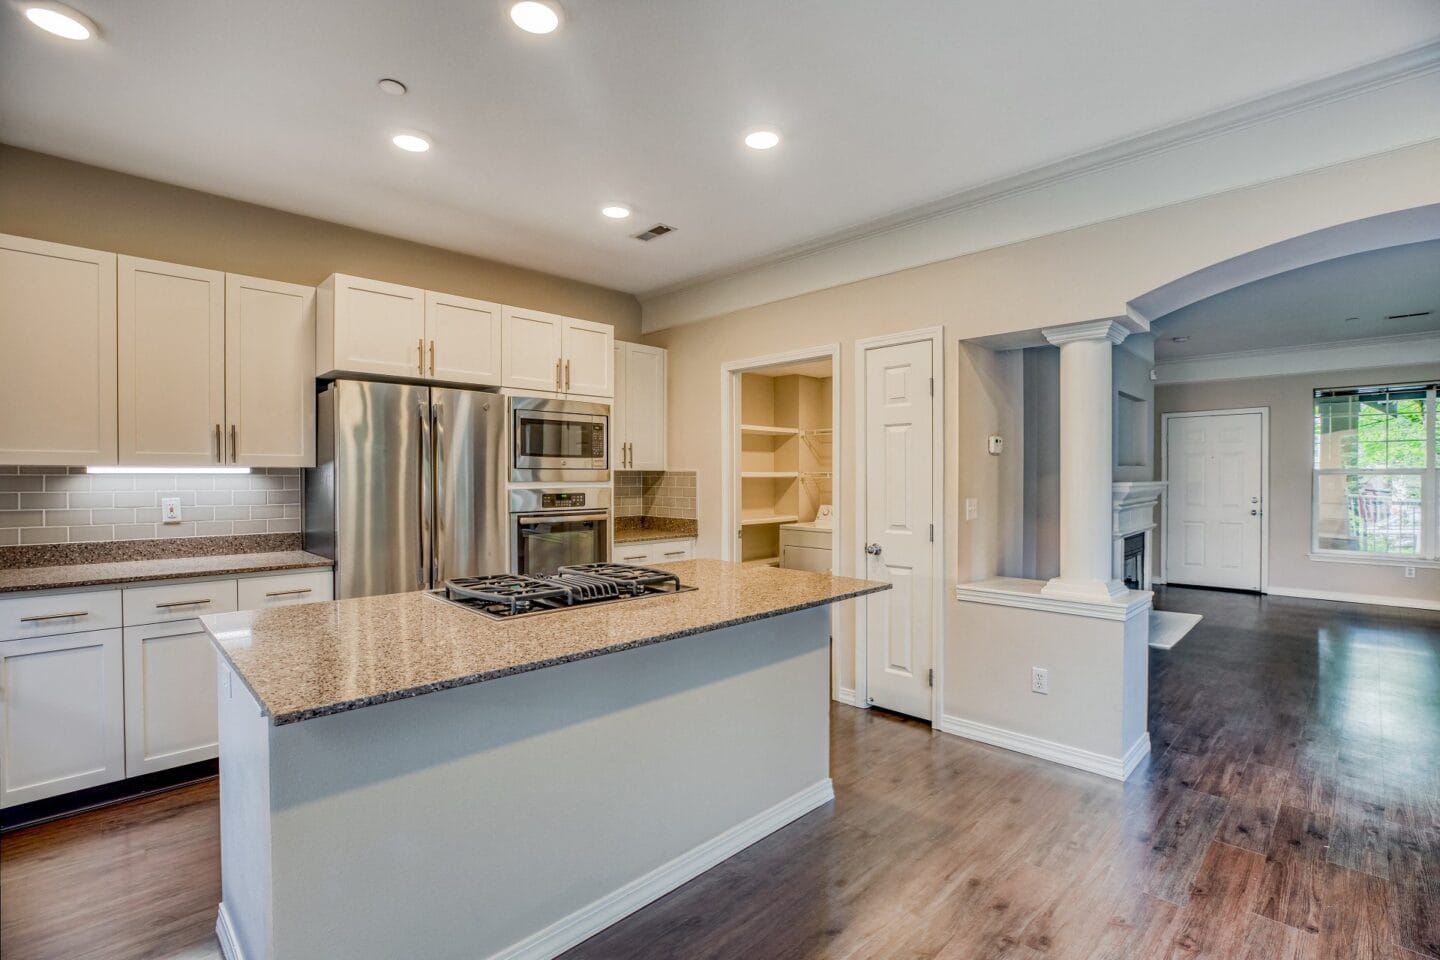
(170, 509)
(972, 508)
(1039, 680)
(1410, 572)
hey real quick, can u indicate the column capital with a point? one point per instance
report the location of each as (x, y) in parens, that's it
(1087, 330)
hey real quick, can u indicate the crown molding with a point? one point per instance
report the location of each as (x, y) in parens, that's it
(1087, 330)
(1370, 353)
(1417, 64)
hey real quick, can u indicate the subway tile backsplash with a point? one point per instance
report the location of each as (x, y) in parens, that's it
(655, 494)
(68, 505)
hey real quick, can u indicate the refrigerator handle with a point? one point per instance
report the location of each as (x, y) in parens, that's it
(426, 494)
(437, 470)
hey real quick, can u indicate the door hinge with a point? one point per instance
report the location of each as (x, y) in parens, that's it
(932, 386)
(932, 676)
(932, 533)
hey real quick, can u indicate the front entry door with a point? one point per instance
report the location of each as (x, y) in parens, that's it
(898, 450)
(1214, 511)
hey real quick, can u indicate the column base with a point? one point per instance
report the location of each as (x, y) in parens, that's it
(1094, 591)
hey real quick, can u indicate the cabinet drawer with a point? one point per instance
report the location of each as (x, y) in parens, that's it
(303, 586)
(58, 613)
(632, 553)
(165, 602)
(655, 551)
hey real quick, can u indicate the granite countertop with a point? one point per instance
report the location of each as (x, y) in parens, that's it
(318, 659)
(643, 529)
(20, 579)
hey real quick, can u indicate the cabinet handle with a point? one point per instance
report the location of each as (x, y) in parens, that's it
(234, 443)
(676, 553)
(219, 445)
(182, 603)
(420, 353)
(638, 556)
(558, 362)
(289, 593)
(567, 374)
(630, 452)
(432, 358)
(55, 616)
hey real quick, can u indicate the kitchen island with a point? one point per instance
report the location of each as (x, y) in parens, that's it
(403, 777)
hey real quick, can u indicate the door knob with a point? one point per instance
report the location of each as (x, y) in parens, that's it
(873, 549)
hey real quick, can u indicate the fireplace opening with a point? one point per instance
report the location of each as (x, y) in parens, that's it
(1134, 561)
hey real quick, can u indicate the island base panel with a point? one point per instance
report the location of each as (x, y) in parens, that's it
(514, 818)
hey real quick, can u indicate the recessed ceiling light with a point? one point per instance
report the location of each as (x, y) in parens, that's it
(762, 139)
(616, 211)
(1179, 339)
(61, 20)
(412, 142)
(536, 16)
(393, 87)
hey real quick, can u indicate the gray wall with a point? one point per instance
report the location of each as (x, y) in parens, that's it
(1290, 400)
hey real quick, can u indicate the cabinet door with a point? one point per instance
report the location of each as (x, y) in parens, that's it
(532, 350)
(62, 715)
(643, 398)
(269, 372)
(57, 326)
(619, 410)
(464, 339)
(589, 352)
(171, 363)
(170, 707)
(374, 327)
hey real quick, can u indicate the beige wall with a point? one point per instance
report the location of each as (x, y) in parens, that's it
(1291, 403)
(53, 199)
(1077, 275)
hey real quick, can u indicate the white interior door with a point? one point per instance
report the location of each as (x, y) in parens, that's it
(1214, 502)
(897, 449)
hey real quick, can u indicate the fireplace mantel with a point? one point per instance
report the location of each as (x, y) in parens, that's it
(1133, 514)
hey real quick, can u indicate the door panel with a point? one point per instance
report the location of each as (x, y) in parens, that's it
(465, 340)
(378, 327)
(532, 350)
(170, 706)
(899, 444)
(269, 372)
(589, 359)
(1214, 516)
(171, 364)
(57, 321)
(469, 483)
(642, 396)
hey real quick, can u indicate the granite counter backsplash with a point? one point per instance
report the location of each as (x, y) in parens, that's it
(120, 551)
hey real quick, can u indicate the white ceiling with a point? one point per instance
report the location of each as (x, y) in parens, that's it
(884, 107)
(1313, 305)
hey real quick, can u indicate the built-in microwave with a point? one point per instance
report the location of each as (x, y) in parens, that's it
(562, 441)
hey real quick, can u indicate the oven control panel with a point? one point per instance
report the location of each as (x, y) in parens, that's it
(562, 501)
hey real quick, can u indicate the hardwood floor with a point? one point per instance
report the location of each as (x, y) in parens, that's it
(1290, 811)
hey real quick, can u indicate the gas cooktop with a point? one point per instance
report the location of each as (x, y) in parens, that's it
(505, 596)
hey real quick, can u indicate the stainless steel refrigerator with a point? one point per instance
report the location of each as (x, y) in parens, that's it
(408, 487)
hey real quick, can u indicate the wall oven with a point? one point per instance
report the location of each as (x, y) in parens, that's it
(559, 441)
(552, 528)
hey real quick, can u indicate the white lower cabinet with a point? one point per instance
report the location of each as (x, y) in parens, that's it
(84, 707)
(655, 551)
(62, 714)
(170, 715)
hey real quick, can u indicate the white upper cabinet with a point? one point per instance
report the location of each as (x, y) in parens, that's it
(533, 357)
(171, 364)
(464, 339)
(545, 353)
(269, 372)
(367, 326)
(638, 415)
(589, 360)
(57, 354)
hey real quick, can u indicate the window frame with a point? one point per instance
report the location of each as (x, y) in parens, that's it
(1428, 552)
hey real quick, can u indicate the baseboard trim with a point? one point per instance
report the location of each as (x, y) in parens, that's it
(1116, 768)
(225, 933)
(590, 920)
(845, 695)
(1413, 603)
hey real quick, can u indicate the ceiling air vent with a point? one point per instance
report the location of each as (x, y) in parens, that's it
(1408, 316)
(659, 230)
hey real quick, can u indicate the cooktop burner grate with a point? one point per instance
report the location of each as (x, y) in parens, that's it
(503, 596)
(628, 578)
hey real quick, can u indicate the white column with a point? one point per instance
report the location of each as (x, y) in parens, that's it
(1086, 466)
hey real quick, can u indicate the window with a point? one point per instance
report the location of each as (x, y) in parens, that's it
(1375, 475)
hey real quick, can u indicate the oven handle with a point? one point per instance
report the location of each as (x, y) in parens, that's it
(562, 518)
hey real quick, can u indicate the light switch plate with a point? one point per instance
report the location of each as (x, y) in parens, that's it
(972, 508)
(170, 509)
